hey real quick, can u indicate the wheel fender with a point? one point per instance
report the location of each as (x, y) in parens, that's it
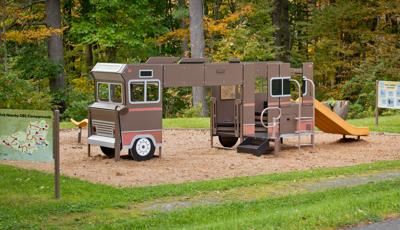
(142, 136)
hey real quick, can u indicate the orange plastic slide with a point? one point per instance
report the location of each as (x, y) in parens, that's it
(329, 122)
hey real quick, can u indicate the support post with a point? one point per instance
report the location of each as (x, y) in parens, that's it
(376, 102)
(89, 132)
(117, 144)
(80, 135)
(56, 153)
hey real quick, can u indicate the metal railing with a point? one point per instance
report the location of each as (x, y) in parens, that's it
(274, 120)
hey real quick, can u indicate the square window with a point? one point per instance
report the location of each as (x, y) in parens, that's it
(276, 85)
(137, 91)
(152, 88)
(116, 93)
(102, 92)
(228, 92)
(286, 86)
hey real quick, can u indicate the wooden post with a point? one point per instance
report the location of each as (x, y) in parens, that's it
(56, 153)
(376, 102)
(79, 135)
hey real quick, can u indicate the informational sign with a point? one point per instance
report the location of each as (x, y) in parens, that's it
(389, 94)
(26, 135)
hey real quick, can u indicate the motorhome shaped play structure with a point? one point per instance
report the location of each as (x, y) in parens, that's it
(251, 101)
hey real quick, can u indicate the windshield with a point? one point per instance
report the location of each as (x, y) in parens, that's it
(109, 92)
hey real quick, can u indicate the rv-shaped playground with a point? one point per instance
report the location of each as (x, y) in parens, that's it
(251, 102)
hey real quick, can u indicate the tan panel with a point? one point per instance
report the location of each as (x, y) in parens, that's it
(183, 75)
(223, 74)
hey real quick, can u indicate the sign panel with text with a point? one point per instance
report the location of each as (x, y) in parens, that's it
(26, 135)
(389, 94)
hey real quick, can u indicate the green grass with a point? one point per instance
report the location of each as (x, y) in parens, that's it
(26, 202)
(197, 122)
(386, 123)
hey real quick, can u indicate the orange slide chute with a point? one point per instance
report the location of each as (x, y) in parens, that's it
(329, 122)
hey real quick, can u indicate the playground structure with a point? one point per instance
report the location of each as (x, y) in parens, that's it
(251, 101)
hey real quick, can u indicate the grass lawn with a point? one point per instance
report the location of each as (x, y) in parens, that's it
(386, 123)
(26, 202)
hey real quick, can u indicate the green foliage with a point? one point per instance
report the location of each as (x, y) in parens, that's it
(249, 39)
(16, 93)
(176, 100)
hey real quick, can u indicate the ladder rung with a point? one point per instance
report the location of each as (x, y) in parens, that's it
(304, 118)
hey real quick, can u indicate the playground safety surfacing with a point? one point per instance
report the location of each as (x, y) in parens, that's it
(187, 156)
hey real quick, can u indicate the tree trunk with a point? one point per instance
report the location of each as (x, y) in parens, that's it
(55, 47)
(197, 49)
(89, 57)
(280, 18)
(184, 45)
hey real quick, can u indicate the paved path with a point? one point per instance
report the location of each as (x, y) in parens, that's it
(387, 225)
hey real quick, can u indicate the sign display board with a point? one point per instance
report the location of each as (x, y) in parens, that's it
(389, 94)
(26, 135)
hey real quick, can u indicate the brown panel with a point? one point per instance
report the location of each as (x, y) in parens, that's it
(273, 71)
(288, 124)
(284, 71)
(308, 72)
(260, 98)
(292, 109)
(162, 60)
(307, 111)
(223, 74)
(183, 75)
(132, 73)
(142, 120)
(102, 114)
(225, 108)
(248, 93)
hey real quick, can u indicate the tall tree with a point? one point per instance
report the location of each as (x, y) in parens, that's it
(197, 49)
(280, 18)
(55, 47)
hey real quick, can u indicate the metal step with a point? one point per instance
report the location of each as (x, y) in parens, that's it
(254, 145)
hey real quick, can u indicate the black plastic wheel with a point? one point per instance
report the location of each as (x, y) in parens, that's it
(143, 149)
(227, 142)
(109, 152)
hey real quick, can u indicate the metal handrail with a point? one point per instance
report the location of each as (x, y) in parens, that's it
(299, 111)
(313, 109)
(274, 119)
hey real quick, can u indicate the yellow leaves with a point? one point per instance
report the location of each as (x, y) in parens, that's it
(211, 26)
(175, 34)
(30, 35)
(83, 84)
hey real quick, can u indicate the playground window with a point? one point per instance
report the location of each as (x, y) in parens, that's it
(228, 92)
(144, 91)
(280, 87)
(109, 92)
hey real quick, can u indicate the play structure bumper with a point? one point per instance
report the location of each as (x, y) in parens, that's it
(102, 141)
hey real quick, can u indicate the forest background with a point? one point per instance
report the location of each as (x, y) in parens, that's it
(47, 48)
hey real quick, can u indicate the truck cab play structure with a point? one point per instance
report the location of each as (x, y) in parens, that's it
(251, 101)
